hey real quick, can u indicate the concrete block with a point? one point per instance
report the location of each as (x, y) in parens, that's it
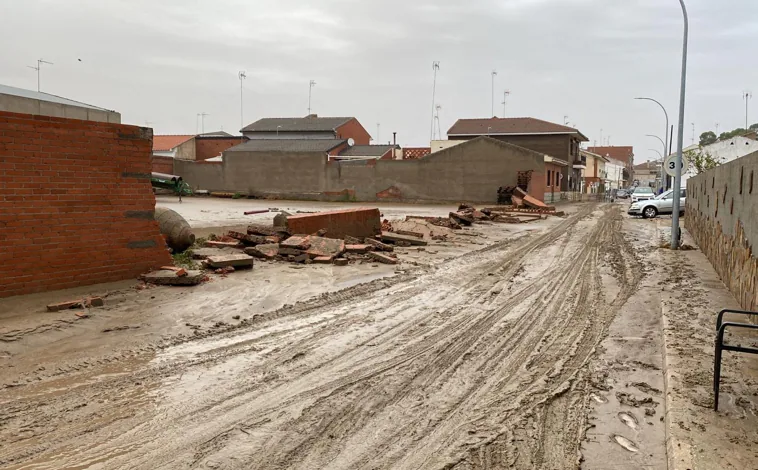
(377, 245)
(323, 260)
(340, 262)
(297, 242)
(169, 278)
(280, 220)
(321, 246)
(267, 251)
(204, 253)
(362, 222)
(358, 248)
(284, 251)
(382, 258)
(397, 238)
(240, 260)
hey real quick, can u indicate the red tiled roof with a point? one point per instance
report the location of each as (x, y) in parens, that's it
(167, 142)
(512, 126)
(625, 154)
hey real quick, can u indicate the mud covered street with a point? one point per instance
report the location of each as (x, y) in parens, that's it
(481, 361)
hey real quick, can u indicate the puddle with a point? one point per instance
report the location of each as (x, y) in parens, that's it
(625, 443)
(598, 399)
(629, 419)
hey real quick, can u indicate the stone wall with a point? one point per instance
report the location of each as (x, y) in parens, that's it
(722, 216)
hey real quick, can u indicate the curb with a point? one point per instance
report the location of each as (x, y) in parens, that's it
(678, 452)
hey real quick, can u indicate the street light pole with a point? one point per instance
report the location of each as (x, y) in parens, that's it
(678, 175)
(666, 133)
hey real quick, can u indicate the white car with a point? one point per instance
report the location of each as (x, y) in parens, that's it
(642, 193)
(663, 204)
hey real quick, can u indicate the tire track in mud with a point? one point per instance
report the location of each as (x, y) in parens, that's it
(463, 383)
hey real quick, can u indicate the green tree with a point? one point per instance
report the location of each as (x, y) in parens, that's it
(702, 160)
(754, 127)
(729, 135)
(707, 138)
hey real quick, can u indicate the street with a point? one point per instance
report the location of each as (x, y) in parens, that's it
(490, 359)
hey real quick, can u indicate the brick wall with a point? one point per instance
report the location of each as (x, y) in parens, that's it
(353, 130)
(209, 147)
(161, 164)
(76, 205)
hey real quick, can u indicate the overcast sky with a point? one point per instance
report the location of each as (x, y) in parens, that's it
(165, 61)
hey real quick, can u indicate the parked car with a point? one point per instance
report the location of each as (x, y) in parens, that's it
(663, 204)
(642, 193)
(622, 194)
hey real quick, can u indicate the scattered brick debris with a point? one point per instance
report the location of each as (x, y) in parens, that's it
(400, 240)
(248, 239)
(81, 303)
(386, 226)
(239, 260)
(352, 240)
(379, 245)
(462, 219)
(298, 242)
(261, 230)
(169, 278)
(179, 271)
(382, 258)
(340, 262)
(225, 270)
(409, 233)
(358, 248)
(323, 260)
(267, 251)
(321, 246)
(203, 253)
(284, 251)
(221, 244)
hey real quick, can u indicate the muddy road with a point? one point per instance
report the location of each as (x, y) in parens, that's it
(478, 362)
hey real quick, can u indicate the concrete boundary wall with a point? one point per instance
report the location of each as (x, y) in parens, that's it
(722, 216)
(471, 171)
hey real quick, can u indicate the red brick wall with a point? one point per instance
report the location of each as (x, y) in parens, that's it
(76, 205)
(555, 183)
(353, 129)
(361, 222)
(162, 164)
(212, 147)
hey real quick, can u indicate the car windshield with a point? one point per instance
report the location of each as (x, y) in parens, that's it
(664, 195)
(643, 191)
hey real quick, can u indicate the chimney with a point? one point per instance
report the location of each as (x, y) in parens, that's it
(394, 138)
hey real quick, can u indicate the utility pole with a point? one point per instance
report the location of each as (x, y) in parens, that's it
(202, 120)
(506, 93)
(494, 74)
(693, 133)
(37, 68)
(435, 68)
(747, 95)
(378, 126)
(242, 76)
(310, 93)
(437, 118)
(682, 98)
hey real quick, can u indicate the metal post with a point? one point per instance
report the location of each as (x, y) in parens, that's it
(435, 67)
(666, 131)
(242, 76)
(494, 73)
(664, 151)
(682, 95)
(310, 92)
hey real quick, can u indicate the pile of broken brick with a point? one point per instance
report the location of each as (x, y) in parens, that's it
(238, 251)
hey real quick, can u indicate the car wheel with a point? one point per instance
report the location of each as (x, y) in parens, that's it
(649, 212)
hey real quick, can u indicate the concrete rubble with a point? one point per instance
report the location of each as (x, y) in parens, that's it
(167, 277)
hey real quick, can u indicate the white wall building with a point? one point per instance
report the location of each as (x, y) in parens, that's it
(615, 174)
(723, 150)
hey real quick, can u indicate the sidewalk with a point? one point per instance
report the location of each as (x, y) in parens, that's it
(696, 436)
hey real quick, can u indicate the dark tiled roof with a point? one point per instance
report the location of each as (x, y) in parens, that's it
(298, 124)
(288, 145)
(367, 150)
(505, 126)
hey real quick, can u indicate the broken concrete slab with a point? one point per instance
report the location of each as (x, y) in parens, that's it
(379, 245)
(397, 238)
(261, 230)
(248, 239)
(461, 219)
(297, 242)
(284, 251)
(220, 244)
(382, 258)
(323, 260)
(352, 240)
(268, 251)
(362, 248)
(79, 303)
(409, 233)
(361, 222)
(340, 262)
(169, 278)
(203, 253)
(239, 260)
(321, 246)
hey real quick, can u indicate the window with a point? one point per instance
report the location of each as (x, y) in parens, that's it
(549, 173)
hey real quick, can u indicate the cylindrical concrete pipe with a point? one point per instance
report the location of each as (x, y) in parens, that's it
(175, 229)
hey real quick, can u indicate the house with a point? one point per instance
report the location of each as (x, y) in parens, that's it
(308, 127)
(648, 174)
(595, 174)
(554, 170)
(19, 100)
(198, 147)
(723, 150)
(557, 141)
(368, 152)
(624, 154)
(618, 175)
